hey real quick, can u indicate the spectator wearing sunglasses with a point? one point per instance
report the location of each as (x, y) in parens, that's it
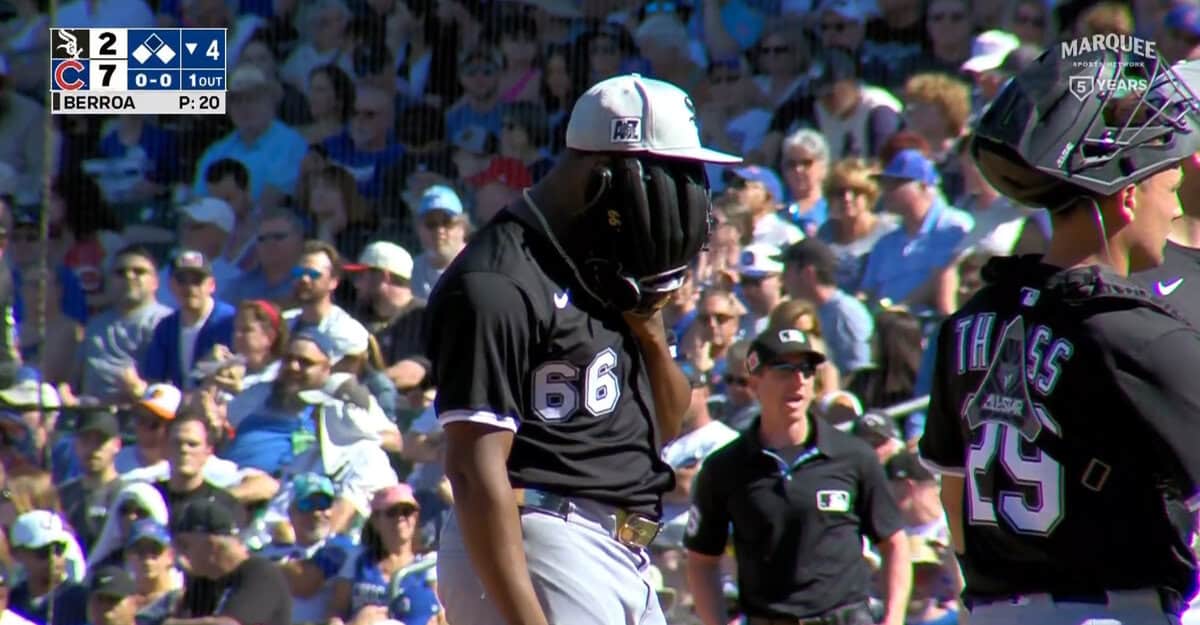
(759, 273)
(278, 425)
(150, 560)
(388, 576)
(737, 406)
(117, 338)
(442, 227)
(317, 276)
(307, 553)
(799, 496)
(278, 244)
(206, 226)
(479, 76)
(201, 322)
(39, 542)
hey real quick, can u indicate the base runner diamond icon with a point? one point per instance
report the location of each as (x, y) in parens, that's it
(153, 42)
(165, 53)
(141, 54)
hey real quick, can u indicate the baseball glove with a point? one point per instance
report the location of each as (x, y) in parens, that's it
(654, 219)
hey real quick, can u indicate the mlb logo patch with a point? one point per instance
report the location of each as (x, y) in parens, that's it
(833, 501)
(627, 130)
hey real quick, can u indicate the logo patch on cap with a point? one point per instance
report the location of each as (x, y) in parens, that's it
(627, 130)
(791, 336)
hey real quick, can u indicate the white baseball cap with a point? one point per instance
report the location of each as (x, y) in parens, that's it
(759, 259)
(630, 113)
(29, 394)
(36, 529)
(386, 256)
(989, 49)
(846, 9)
(211, 210)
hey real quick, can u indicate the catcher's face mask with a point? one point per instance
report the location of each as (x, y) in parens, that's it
(647, 220)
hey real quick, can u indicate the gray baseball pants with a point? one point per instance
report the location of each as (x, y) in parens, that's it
(581, 574)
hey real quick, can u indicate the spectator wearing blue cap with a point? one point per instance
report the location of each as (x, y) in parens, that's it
(368, 146)
(913, 264)
(150, 559)
(760, 191)
(307, 553)
(442, 228)
(1180, 38)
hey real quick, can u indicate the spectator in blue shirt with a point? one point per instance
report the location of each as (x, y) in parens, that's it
(368, 146)
(846, 324)
(914, 263)
(269, 148)
(190, 333)
(479, 73)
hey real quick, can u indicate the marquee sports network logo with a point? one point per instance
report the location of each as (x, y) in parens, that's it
(1131, 76)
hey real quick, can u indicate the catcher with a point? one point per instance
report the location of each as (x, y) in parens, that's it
(556, 384)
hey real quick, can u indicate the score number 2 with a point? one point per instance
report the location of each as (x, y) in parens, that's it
(1035, 470)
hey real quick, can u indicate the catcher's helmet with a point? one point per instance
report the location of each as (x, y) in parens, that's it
(1087, 124)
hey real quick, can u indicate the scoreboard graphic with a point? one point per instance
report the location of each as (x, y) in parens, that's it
(137, 71)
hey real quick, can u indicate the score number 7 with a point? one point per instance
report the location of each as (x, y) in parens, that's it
(1033, 469)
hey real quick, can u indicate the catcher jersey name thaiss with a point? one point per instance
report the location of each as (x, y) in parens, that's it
(1049, 402)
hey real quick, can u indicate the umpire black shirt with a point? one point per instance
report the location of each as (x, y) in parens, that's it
(798, 517)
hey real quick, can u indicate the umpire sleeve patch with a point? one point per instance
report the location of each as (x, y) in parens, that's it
(483, 417)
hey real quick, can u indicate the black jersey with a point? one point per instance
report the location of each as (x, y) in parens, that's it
(1177, 280)
(1068, 402)
(515, 343)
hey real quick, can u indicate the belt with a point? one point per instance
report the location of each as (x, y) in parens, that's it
(844, 615)
(631, 529)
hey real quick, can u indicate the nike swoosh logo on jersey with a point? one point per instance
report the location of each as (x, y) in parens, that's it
(560, 300)
(1166, 288)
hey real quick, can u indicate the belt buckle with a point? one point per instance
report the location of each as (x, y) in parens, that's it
(635, 530)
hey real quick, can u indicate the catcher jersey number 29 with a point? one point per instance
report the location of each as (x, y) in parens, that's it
(1005, 420)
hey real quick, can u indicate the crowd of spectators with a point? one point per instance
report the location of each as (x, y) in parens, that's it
(225, 400)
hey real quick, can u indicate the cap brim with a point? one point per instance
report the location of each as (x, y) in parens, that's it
(155, 410)
(703, 155)
(983, 62)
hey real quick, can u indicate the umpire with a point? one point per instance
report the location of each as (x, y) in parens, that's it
(556, 385)
(799, 495)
